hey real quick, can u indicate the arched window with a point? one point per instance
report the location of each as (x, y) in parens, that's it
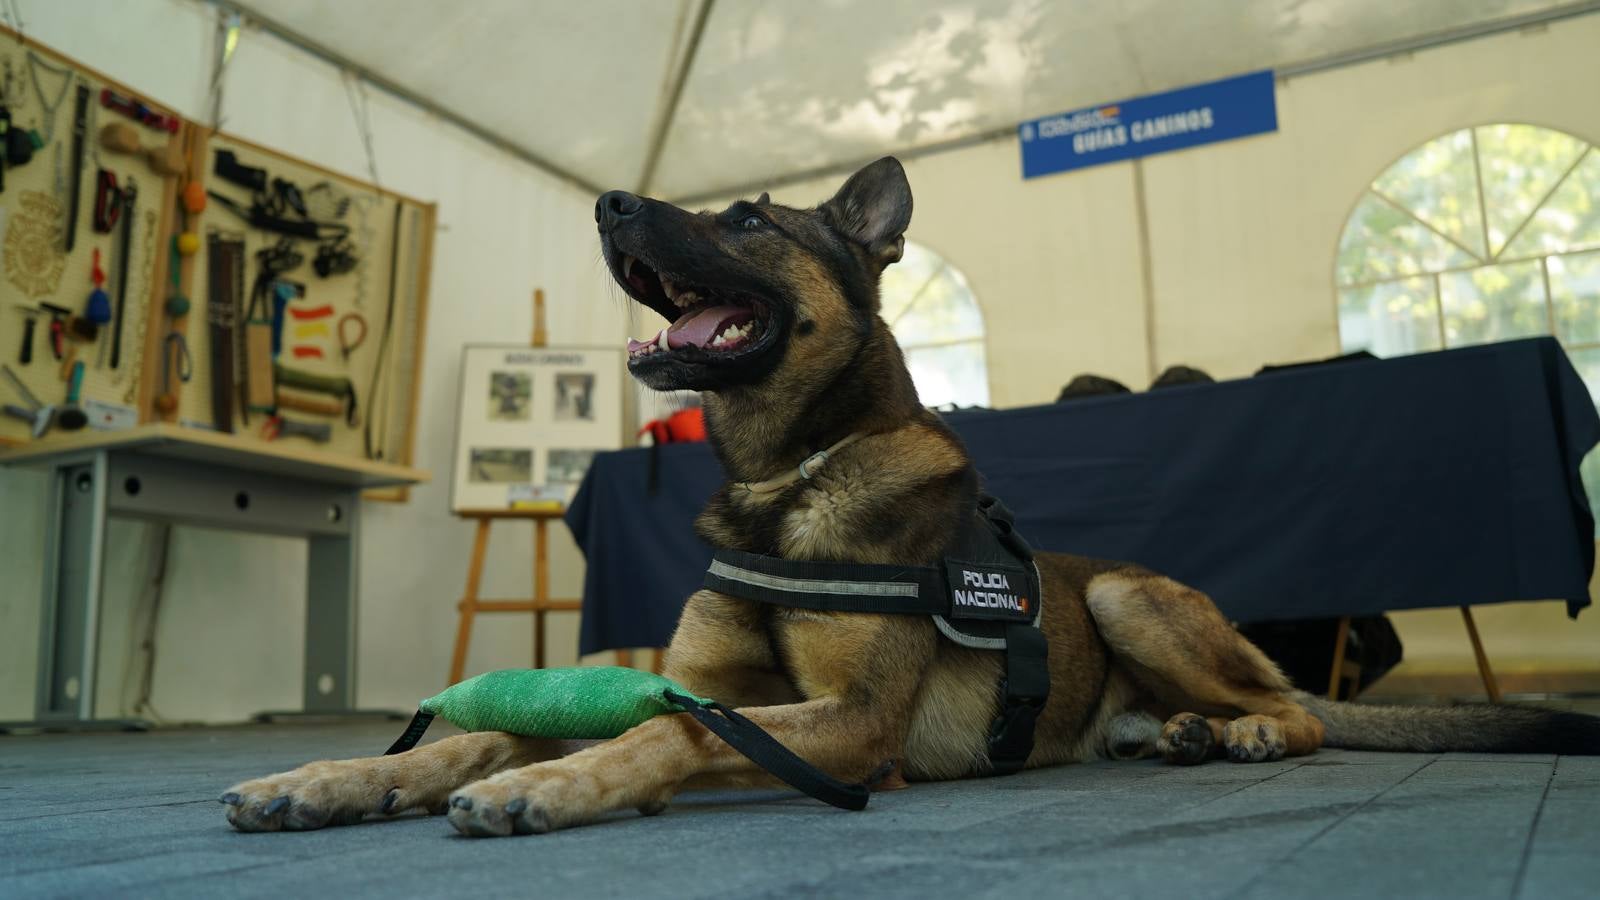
(934, 316)
(1484, 234)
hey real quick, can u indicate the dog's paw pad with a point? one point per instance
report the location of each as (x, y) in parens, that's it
(1254, 739)
(1186, 739)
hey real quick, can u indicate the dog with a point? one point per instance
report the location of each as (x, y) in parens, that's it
(772, 313)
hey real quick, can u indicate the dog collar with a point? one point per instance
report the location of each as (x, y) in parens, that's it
(805, 470)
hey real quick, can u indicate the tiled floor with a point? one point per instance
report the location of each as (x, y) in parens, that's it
(135, 815)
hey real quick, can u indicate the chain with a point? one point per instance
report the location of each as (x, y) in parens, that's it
(365, 235)
(47, 109)
(61, 178)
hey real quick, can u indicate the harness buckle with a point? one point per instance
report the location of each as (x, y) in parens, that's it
(812, 462)
(1011, 733)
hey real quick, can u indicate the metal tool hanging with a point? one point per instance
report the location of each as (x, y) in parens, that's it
(129, 196)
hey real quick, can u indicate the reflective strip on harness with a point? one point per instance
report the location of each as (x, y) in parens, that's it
(839, 587)
(808, 586)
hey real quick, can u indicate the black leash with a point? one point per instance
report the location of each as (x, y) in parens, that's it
(765, 751)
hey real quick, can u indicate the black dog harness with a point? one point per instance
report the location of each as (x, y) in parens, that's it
(985, 594)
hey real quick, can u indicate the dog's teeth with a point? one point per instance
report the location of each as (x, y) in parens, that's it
(670, 288)
(627, 267)
(661, 340)
(686, 299)
(719, 340)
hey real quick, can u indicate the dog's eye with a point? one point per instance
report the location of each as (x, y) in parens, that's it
(752, 221)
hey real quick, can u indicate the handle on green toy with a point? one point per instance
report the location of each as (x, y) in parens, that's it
(765, 751)
(412, 734)
(76, 385)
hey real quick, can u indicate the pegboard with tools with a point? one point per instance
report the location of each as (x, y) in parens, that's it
(200, 279)
(309, 295)
(88, 173)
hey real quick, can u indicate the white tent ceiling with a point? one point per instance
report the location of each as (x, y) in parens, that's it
(775, 88)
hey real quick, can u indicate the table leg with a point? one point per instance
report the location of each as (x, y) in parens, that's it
(1339, 643)
(332, 592)
(69, 622)
(1490, 685)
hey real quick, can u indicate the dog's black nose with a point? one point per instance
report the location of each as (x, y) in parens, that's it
(615, 206)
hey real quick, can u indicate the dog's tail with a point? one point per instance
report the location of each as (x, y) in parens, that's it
(1476, 728)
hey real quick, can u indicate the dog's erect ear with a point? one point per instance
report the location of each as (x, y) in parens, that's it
(764, 200)
(873, 209)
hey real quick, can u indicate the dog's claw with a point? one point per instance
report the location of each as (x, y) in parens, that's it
(276, 806)
(516, 806)
(461, 801)
(387, 806)
(230, 798)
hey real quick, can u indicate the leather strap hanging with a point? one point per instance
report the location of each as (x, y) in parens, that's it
(225, 277)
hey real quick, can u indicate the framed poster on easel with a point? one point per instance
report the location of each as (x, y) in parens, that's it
(531, 420)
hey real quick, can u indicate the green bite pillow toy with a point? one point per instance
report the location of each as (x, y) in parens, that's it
(599, 702)
(583, 702)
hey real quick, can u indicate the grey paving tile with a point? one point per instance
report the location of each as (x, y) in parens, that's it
(1562, 857)
(1452, 829)
(136, 815)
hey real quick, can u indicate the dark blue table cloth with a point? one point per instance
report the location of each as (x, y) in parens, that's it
(1432, 480)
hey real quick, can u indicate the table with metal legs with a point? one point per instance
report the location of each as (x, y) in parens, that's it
(179, 476)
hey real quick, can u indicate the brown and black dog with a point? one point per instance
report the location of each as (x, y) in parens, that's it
(774, 316)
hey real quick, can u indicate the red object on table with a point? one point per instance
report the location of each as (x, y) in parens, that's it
(683, 426)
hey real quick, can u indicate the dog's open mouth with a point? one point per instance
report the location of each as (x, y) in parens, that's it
(710, 322)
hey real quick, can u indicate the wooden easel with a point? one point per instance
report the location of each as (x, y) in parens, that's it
(541, 603)
(1346, 669)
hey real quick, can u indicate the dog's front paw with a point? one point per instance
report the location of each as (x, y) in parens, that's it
(313, 796)
(534, 800)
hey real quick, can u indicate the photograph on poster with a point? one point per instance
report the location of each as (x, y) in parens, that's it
(567, 466)
(573, 396)
(502, 465)
(532, 419)
(510, 396)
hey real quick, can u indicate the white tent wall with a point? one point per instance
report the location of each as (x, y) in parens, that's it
(230, 637)
(1242, 238)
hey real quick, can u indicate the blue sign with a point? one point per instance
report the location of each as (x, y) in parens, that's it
(1187, 117)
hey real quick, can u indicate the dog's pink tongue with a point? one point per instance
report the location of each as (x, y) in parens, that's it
(702, 327)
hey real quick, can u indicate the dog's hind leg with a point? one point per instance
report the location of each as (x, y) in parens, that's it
(1228, 697)
(1132, 735)
(342, 792)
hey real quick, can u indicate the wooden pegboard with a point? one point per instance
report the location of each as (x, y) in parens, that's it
(35, 266)
(390, 236)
